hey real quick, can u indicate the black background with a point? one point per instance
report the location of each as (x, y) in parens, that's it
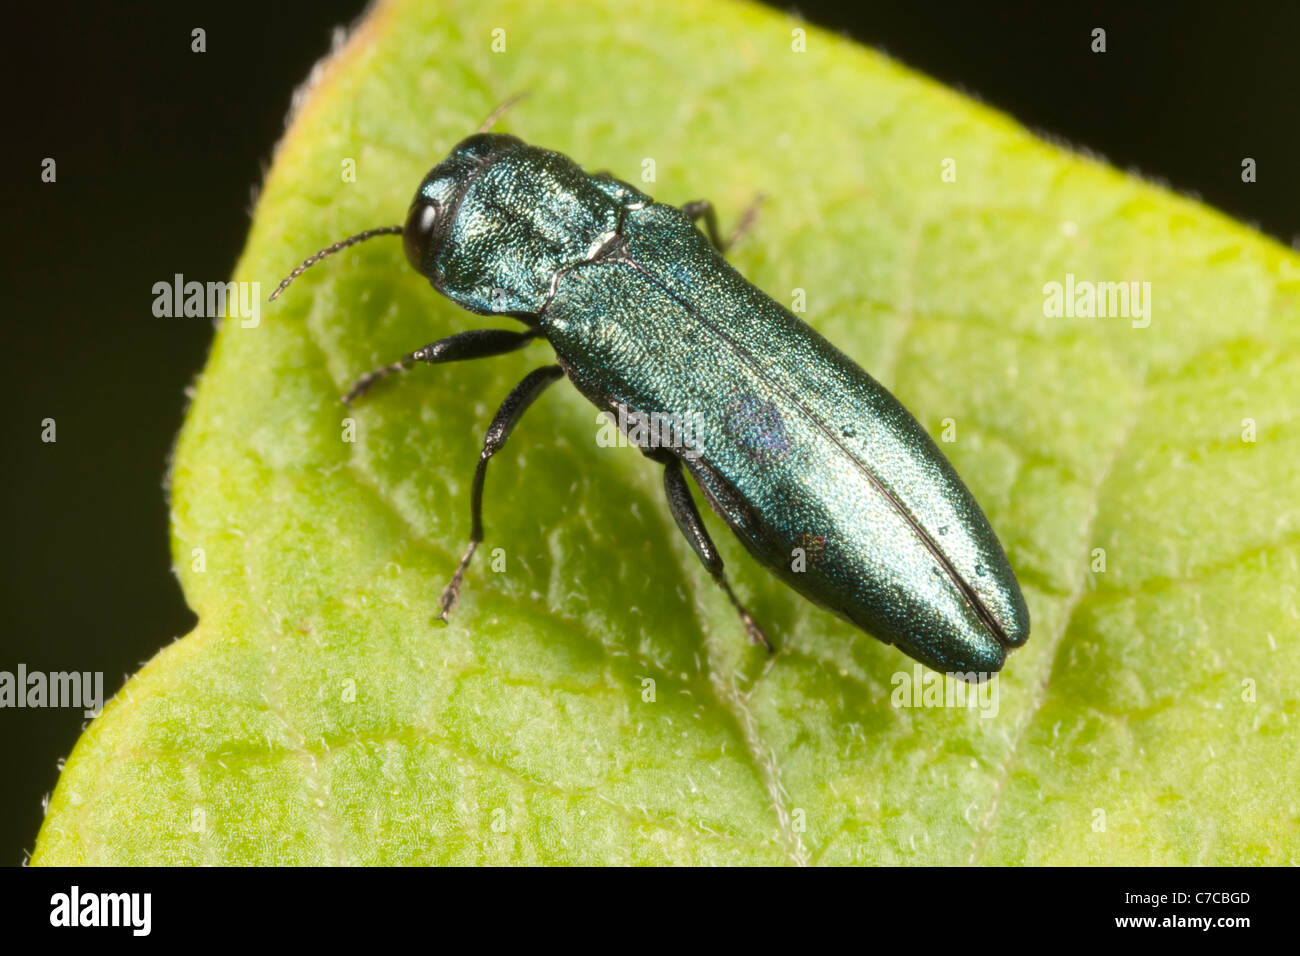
(159, 150)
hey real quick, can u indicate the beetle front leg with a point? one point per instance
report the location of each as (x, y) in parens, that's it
(479, 343)
(687, 516)
(507, 416)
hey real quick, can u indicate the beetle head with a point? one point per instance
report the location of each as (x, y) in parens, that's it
(497, 221)
(430, 214)
(428, 221)
(494, 224)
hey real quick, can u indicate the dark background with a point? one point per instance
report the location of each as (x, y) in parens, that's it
(159, 149)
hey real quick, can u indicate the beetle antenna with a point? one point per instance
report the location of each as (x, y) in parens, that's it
(500, 111)
(329, 251)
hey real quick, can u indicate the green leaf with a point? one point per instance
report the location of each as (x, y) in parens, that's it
(318, 714)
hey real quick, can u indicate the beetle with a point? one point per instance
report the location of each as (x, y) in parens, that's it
(822, 474)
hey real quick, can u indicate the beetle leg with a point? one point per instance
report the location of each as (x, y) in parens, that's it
(479, 343)
(703, 209)
(687, 516)
(507, 416)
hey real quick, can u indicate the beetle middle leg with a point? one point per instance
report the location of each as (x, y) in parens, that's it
(703, 209)
(687, 516)
(479, 343)
(507, 416)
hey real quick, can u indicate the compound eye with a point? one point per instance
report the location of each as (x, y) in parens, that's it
(417, 234)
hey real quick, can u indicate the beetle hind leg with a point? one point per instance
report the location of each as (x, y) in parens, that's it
(688, 519)
(507, 416)
(756, 633)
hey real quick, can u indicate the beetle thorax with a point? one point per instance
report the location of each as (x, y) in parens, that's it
(519, 217)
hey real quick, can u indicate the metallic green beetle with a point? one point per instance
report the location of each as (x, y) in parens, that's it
(822, 474)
